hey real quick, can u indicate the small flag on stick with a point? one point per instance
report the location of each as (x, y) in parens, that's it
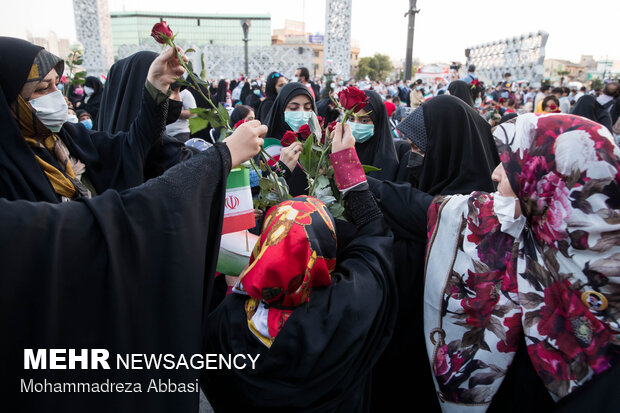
(238, 206)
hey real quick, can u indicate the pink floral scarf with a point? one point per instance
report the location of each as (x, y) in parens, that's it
(558, 283)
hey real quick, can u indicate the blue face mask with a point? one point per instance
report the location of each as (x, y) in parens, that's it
(88, 123)
(257, 92)
(362, 132)
(296, 118)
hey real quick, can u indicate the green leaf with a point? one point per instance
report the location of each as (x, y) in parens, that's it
(221, 110)
(337, 210)
(214, 119)
(181, 81)
(272, 197)
(201, 112)
(370, 168)
(222, 135)
(266, 184)
(190, 50)
(197, 124)
(305, 159)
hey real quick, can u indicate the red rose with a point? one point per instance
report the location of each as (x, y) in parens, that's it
(242, 121)
(352, 98)
(288, 139)
(161, 32)
(321, 121)
(304, 131)
(332, 126)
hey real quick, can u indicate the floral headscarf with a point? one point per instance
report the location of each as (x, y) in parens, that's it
(295, 253)
(557, 283)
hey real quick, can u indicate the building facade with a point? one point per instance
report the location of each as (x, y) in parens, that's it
(134, 29)
(294, 35)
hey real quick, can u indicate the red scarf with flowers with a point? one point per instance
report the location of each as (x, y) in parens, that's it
(295, 253)
(557, 284)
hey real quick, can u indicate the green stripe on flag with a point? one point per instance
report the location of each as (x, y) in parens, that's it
(238, 177)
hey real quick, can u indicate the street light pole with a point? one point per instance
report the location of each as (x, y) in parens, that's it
(245, 25)
(409, 59)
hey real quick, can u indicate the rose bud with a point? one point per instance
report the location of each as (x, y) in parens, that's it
(242, 121)
(161, 32)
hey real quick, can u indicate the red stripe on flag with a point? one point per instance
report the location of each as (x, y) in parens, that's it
(238, 223)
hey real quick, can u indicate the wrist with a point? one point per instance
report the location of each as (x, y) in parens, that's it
(348, 171)
(159, 84)
(235, 159)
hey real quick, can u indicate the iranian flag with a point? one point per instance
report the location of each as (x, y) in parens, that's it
(273, 147)
(238, 207)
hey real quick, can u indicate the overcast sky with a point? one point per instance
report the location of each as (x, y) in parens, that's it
(443, 29)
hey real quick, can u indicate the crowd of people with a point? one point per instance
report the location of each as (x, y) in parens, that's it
(478, 270)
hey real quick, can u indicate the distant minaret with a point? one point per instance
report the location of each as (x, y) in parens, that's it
(92, 25)
(338, 37)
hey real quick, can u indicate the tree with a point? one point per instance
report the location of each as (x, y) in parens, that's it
(562, 73)
(377, 67)
(596, 84)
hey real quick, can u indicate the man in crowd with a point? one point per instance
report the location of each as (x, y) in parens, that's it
(303, 76)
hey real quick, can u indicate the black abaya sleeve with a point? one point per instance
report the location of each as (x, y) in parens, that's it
(403, 206)
(322, 358)
(129, 272)
(117, 160)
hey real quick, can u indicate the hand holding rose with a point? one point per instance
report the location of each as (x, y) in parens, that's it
(342, 138)
(245, 141)
(165, 69)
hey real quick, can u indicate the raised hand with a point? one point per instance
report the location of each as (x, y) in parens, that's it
(245, 141)
(165, 69)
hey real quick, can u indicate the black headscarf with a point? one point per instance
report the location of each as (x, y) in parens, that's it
(588, 107)
(270, 96)
(252, 99)
(110, 163)
(245, 91)
(324, 111)
(221, 91)
(120, 105)
(20, 174)
(73, 97)
(275, 118)
(461, 153)
(461, 90)
(92, 106)
(379, 150)
(122, 95)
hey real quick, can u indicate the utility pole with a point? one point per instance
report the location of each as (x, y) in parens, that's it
(409, 59)
(245, 25)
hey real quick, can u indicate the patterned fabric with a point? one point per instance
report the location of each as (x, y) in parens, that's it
(295, 253)
(44, 62)
(348, 171)
(557, 283)
(414, 129)
(63, 171)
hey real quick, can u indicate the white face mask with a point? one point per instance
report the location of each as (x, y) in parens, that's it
(295, 79)
(72, 119)
(504, 207)
(88, 90)
(51, 110)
